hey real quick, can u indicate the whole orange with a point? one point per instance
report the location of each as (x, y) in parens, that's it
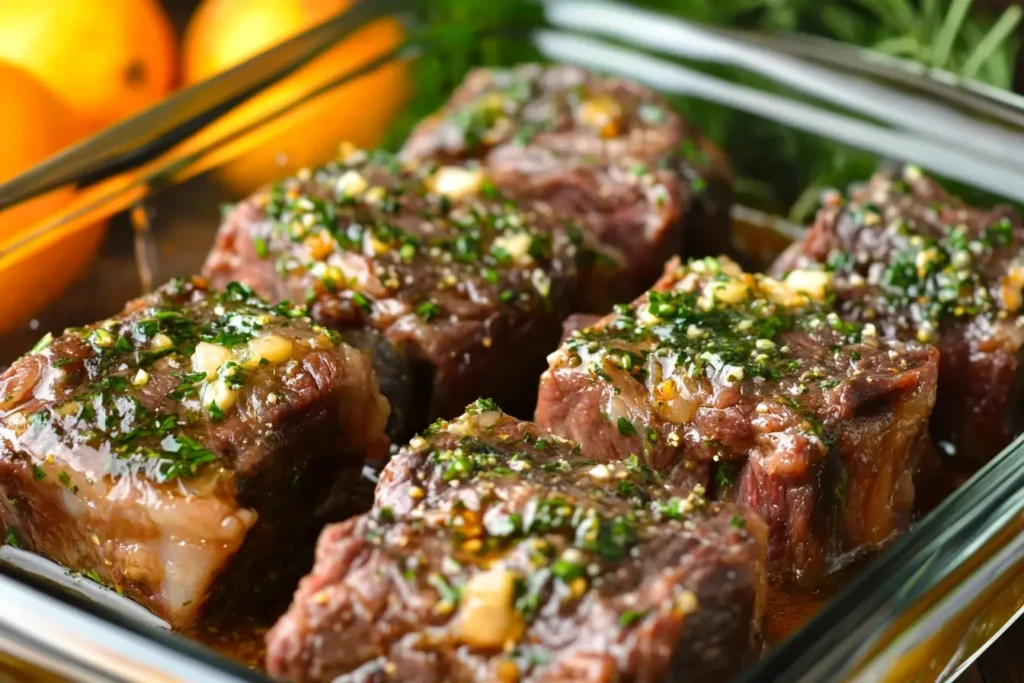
(108, 59)
(223, 33)
(34, 125)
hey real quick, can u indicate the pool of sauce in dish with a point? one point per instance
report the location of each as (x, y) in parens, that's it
(243, 642)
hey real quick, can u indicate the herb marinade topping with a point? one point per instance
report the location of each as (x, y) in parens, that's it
(365, 230)
(931, 258)
(213, 344)
(569, 113)
(717, 332)
(517, 104)
(519, 505)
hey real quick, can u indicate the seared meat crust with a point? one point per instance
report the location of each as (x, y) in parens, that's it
(497, 551)
(465, 286)
(609, 152)
(180, 449)
(921, 264)
(753, 389)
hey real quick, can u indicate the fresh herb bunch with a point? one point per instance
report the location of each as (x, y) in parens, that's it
(942, 34)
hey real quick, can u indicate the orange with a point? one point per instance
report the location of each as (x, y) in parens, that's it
(34, 125)
(223, 33)
(108, 59)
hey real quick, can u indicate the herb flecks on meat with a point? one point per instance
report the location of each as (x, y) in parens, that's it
(937, 267)
(210, 341)
(358, 210)
(178, 450)
(921, 264)
(612, 152)
(571, 538)
(516, 105)
(500, 535)
(429, 265)
(756, 389)
(718, 324)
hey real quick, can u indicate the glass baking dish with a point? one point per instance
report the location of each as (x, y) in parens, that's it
(920, 611)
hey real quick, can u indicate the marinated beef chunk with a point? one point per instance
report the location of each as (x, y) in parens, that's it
(468, 287)
(180, 449)
(498, 552)
(608, 151)
(752, 388)
(920, 264)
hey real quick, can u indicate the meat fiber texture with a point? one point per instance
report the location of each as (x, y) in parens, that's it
(498, 552)
(179, 451)
(467, 287)
(607, 151)
(754, 390)
(919, 263)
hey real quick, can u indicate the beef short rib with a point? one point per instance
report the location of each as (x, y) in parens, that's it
(751, 388)
(498, 552)
(179, 450)
(468, 288)
(609, 152)
(919, 263)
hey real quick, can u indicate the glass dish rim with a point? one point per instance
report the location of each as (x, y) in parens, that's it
(794, 658)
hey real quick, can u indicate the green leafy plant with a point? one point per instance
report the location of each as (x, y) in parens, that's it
(781, 169)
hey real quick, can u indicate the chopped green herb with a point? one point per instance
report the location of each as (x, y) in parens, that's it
(723, 477)
(260, 246)
(43, 343)
(65, 479)
(362, 302)
(449, 594)
(630, 617)
(428, 310)
(483, 405)
(188, 387)
(567, 570)
(639, 170)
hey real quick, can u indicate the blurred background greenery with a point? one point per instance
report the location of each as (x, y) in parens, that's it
(146, 49)
(142, 51)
